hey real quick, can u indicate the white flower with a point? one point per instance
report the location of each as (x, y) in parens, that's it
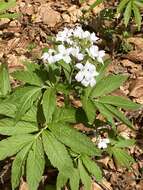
(93, 51)
(100, 56)
(78, 32)
(87, 74)
(64, 53)
(93, 37)
(103, 143)
(64, 36)
(76, 53)
(49, 57)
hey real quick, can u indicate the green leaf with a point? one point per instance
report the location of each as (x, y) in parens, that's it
(5, 87)
(104, 111)
(119, 102)
(122, 5)
(12, 145)
(102, 70)
(18, 165)
(92, 167)
(49, 103)
(8, 127)
(107, 85)
(119, 115)
(7, 5)
(57, 153)
(35, 165)
(61, 181)
(85, 178)
(74, 180)
(27, 100)
(89, 109)
(10, 15)
(88, 105)
(64, 115)
(31, 115)
(71, 137)
(137, 14)
(122, 157)
(7, 109)
(123, 143)
(28, 77)
(127, 13)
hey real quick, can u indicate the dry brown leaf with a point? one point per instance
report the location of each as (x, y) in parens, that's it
(95, 186)
(136, 88)
(137, 41)
(24, 186)
(106, 184)
(47, 15)
(135, 56)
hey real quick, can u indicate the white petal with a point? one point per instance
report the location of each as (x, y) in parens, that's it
(106, 140)
(101, 53)
(79, 66)
(67, 59)
(99, 59)
(80, 56)
(58, 57)
(79, 76)
(85, 82)
(92, 82)
(86, 34)
(61, 48)
(93, 37)
(102, 145)
(45, 56)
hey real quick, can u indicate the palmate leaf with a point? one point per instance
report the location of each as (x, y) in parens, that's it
(119, 102)
(35, 165)
(12, 145)
(104, 111)
(137, 15)
(123, 143)
(119, 115)
(127, 13)
(122, 5)
(77, 141)
(89, 109)
(18, 165)
(92, 167)
(5, 87)
(65, 115)
(122, 157)
(27, 100)
(61, 180)
(28, 77)
(49, 103)
(6, 5)
(7, 109)
(74, 180)
(107, 85)
(85, 178)
(57, 153)
(8, 127)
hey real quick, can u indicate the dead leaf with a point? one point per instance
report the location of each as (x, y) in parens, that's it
(47, 15)
(95, 186)
(136, 88)
(24, 186)
(137, 41)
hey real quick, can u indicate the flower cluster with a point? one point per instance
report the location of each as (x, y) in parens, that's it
(78, 45)
(103, 142)
(87, 74)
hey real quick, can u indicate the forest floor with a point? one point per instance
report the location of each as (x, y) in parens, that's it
(25, 37)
